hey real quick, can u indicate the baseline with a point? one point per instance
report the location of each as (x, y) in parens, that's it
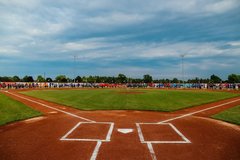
(190, 114)
(47, 106)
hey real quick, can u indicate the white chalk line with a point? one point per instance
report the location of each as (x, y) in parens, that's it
(149, 143)
(110, 132)
(107, 139)
(190, 114)
(96, 150)
(99, 141)
(70, 131)
(179, 133)
(140, 132)
(141, 137)
(47, 106)
(151, 150)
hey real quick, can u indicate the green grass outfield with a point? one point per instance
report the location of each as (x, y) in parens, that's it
(12, 110)
(115, 99)
(231, 115)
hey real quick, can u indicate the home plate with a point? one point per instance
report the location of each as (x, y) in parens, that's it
(125, 130)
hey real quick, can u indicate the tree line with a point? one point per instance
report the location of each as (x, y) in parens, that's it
(121, 78)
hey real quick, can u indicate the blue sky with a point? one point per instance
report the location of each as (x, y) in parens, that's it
(133, 37)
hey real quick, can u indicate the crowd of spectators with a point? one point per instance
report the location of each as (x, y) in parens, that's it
(25, 85)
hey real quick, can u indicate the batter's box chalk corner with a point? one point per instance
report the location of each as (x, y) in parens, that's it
(160, 133)
(90, 131)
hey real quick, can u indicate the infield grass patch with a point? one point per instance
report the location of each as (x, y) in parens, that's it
(113, 99)
(231, 115)
(12, 110)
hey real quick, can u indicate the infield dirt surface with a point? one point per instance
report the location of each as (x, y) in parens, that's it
(67, 133)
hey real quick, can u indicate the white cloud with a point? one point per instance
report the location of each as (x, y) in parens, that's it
(191, 50)
(221, 6)
(235, 43)
(208, 64)
(21, 3)
(8, 51)
(117, 18)
(117, 51)
(86, 44)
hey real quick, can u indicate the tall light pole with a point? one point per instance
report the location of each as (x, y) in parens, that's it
(74, 69)
(182, 56)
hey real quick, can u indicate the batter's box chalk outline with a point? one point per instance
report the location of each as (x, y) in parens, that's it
(107, 139)
(142, 140)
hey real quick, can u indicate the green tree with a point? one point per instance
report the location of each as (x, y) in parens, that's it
(121, 78)
(91, 79)
(40, 79)
(84, 79)
(233, 78)
(175, 80)
(61, 78)
(48, 79)
(215, 79)
(28, 79)
(147, 78)
(5, 79)
(78, 79)
(16, 79)
(69, 79)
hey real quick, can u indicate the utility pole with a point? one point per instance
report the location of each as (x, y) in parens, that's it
(182, 56)
(74, 69)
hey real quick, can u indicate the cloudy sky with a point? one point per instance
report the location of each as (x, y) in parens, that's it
(107, 37)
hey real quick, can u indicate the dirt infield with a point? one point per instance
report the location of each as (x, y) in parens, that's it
(66, 133)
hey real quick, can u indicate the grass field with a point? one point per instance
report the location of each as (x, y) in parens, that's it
(117, 99)
(231, 115)
(11, 110)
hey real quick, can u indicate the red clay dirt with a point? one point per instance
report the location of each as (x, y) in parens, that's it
(43, 138)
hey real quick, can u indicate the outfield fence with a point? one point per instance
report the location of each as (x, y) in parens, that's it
(25, 85)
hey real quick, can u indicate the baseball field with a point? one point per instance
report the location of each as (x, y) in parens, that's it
(99, 124)
(130, 99)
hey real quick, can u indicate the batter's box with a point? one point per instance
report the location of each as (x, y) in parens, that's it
(160, 133)
(90, 131)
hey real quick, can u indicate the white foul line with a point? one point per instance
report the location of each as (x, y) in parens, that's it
(149, 143)
(189, 114)
(95, 152)
(150, 148)
(99, 142)
(68, 113)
